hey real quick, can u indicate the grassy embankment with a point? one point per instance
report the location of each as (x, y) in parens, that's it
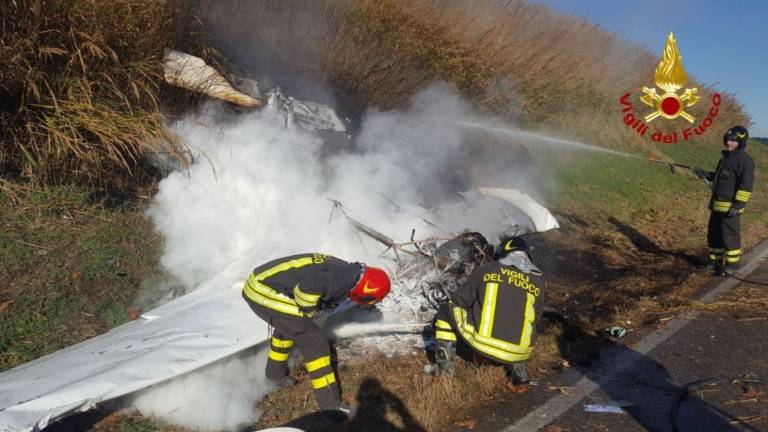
(81, 102)
(70, 268)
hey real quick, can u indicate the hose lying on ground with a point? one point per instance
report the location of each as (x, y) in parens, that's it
(746, 280)
(362, 329)
(694, 385)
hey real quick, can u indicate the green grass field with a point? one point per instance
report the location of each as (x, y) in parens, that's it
(650, 195)
(70, 268)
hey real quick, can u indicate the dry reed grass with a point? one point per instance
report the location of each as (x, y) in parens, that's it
(547, 69)
(81, 86)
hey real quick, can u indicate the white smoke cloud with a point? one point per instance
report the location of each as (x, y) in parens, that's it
(415, 152)
(260, 191)
(249, 197)
(220, 396)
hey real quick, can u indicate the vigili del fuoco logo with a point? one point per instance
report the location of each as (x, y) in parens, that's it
(666, 103)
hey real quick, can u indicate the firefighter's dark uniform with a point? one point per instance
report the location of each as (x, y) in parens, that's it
(287, 293)
(731, 189)
(494, 312)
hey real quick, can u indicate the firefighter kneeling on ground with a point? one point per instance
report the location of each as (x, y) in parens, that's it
(288, 293)
(731, 189)
(494, 312)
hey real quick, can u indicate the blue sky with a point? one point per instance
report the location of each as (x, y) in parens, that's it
(722, 42)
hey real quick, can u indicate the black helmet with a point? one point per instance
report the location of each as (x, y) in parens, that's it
(737, 133)
(509, 245)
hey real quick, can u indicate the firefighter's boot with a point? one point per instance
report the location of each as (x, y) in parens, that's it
(716, 263)
(444, 355)
(719, 268)
(517, 373)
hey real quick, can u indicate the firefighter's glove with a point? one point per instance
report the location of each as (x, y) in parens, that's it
(517, 373)
(435, 292)
(701, 174)
(732, 212)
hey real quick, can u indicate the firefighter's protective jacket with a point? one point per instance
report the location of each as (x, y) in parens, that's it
(300, 285)
(495, 311)
(732, 181)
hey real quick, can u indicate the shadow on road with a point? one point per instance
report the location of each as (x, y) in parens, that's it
(645, 244)
(375, 403)
(644, 387)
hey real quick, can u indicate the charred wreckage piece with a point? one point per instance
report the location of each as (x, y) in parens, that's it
(192, 73)
(451, 258)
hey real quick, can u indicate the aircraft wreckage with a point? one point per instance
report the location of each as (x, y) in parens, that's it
(213, 323)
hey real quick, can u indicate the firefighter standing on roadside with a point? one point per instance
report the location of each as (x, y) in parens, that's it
(731, 190)
(288, 293)
(494, 312)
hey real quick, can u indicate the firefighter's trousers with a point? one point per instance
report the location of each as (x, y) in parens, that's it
(723, 237)
(311, 342)
(444, 324)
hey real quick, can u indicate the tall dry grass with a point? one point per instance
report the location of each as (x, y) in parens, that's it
(517, 60)
(569, 72)
(81, 85)
(548, 70)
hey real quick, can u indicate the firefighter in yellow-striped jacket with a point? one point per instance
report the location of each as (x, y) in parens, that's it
(494, 312)
(731, 183)
(288, 293)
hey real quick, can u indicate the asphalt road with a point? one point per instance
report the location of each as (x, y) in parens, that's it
(649, 378)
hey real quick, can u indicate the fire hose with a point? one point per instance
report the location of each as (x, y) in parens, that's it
(672, 165)
(689, 388)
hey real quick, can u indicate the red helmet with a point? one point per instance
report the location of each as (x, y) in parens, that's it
(372, 287)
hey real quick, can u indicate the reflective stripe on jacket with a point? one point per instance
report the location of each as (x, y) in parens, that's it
(300, 285)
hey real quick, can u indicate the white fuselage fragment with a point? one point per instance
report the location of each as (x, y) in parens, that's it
(192, 73)
(183, 335)
(540, 216)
